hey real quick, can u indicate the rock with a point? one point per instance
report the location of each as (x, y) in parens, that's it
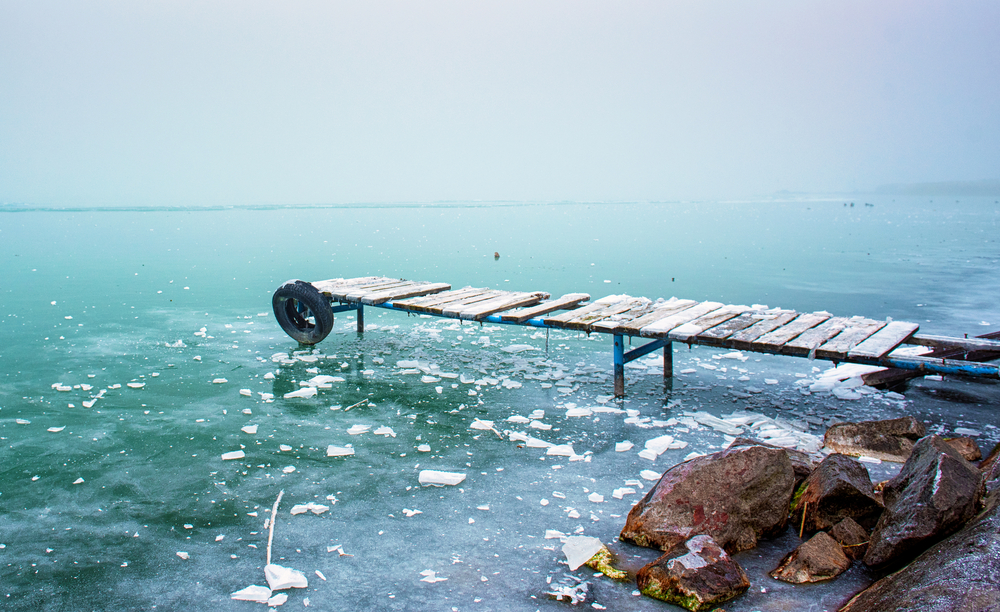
(697, 575)
(889, 440)
(852, 537)
(602, 561)
(966, 447)
(839, 488)
(801, 463)
(933, 495)
(990, 460)
(820, 558)
(736, 496)
(962, 572)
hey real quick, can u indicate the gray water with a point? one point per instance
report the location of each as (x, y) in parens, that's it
(94, 297)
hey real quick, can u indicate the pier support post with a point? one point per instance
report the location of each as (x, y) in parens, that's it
(361, 319)
(619, 359)
(668, 360)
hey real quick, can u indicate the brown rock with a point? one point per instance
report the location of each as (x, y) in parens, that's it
(933, 495)
(966, 447)
(737, 496)
(889, 440)
(697, 575)
(820, 558)
(960, 573)
(839, 488)
(990, 460)
(852, 537)
(802, 464)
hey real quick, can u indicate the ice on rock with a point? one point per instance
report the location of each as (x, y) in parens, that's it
(249, 429)
(280, 578)
(233, 455)
(337, 451)
(304, 392)
(580, 549)
(622, 447)
(255, 593)
(385, 431)
(439, 479)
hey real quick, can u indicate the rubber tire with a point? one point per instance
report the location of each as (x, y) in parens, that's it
(288, 300)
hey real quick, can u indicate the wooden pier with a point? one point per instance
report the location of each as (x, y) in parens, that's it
(303, 309)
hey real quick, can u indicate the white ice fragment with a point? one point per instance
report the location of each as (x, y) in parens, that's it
(872, 460)
(358, 429)
(579, 412)
(136, 385)
(288, 469)
(410, 513)
(183, 555)
(246, 392)
(540, 425)
(431, 577)
(249, 429)
(622, 447)
(324, 379)
(579, 550)
(338, 451)
(770, 381)
(552, 534)
(429, 379)
(622, 492)
(961, 431)
(481, 425)
(78, 481)
(650, 475)
(385, 431)
(56, 429)
(648, 454)
(304, 392)
(424, 448)
(519, 348)
(692, 455)
(510, 384)
(518, 419)
(846, 394)
(269, 376)
(561, 450)
(439, 479)
(22, 421)
(284, 447)
(310, 507)
(255, 593)
(278, 599)
(659, 445)
(595, 498)
(215, 381)
(321, 576)
(536, 443)
(233, 455)
(280, 577)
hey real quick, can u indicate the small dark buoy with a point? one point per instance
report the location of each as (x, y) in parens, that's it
(671, 279)
(496, 255)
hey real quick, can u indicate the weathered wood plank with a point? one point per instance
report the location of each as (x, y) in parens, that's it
(337, 288)
(560, 320)
(688, 331)
(744, 338)
(452, 309)
(773, 342)
(357, 294)
(481, 310)
(417, 289)
(981, 343)
(439, 298)
(880, 343)
(716, 335)
(812, 339)
(614, 323)
(570, 300)
(663, 327)
(585, 321)
(858, 329)
(660, 311)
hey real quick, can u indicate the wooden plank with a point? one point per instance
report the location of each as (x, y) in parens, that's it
(441, 298)
(857, 331)
(661, 311)
(345, 285)
(361, 292)
(585, 321)
(614, 323)
(744, 338)
(452, 309)
(691, 329)
(418, 289)
(773, 342)
(727, 328)
(560, 320)
(813, 338)
(570, 300)
(663, 327)
(981, 343)
(481, 310)
(880, 343)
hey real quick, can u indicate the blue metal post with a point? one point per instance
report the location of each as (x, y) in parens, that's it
(619, 359)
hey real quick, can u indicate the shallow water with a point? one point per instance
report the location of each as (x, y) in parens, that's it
(125, 284)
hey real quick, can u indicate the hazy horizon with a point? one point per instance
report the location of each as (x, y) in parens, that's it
(253, 103)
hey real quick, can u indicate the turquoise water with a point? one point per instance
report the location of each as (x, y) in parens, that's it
(94, 297)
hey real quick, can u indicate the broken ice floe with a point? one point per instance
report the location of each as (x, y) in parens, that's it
(410, 513)
(579, 550)
(249, 429)
(233, 455)
(56, 429)
(385, 431)
(440, 479)
(650, 475)
(304, 392)
(255, 593)
(310, 507)
(431, 576)
(622, 492)
(358, 429)
(622, 447)
(338, 451)
(280, 578)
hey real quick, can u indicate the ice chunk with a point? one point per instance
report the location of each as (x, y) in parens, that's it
(482, 425)
(338, 451)
(215, 381)
(249, 429)
(310, 507)
(424, 448)
(622, 447)
(304, 392)
(429, 379)
(540, 425)
(252, 593)
(659, 445)
(358, 429)
(183, 555)
(284, 447)
(280, 577)
(288, 469)
(246, 392)
(579, 550)
(561, 450)
(650, 475)
(437, 478)
(410, 513)
(136, 385)
(277, 599)
(430, 576)
(961, 431)
(233, 455)
(536, 443)
(552, 534)
(78, 481)
(519, 348)
(622, 492)
(56, 429)
(385, 431)
(518, 419)
(324, 379)
(595, 498)
(579, 412)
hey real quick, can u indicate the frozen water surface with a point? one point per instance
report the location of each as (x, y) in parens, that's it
(146, 439)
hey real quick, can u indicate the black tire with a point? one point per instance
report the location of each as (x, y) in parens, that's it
(302, 311)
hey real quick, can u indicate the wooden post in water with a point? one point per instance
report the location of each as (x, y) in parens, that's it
(361, 319)
(668, 360)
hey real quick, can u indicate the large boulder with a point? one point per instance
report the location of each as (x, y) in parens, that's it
(736, 496)
(839, 488)
(962, 572)
(966, 447)
(802, 463)
(852, 537)
(697, 575)
(933, 495)
(889, 440)
(820, 558)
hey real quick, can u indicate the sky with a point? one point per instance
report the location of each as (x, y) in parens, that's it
(123, 103)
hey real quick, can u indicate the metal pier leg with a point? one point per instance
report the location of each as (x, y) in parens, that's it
(361, 319)
(619, 358)
(668, 361)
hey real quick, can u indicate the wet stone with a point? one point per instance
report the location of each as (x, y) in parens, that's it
(697, 575)
(820, 558)
(966, 447)
(839, 488)
(890, 440)
(852, 537)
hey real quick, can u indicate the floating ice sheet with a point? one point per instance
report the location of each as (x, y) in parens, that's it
(280, 577)
(255, 593)
(338, 451)
(440, 479)
(579, 550)
(304, 392)
(233, 455)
